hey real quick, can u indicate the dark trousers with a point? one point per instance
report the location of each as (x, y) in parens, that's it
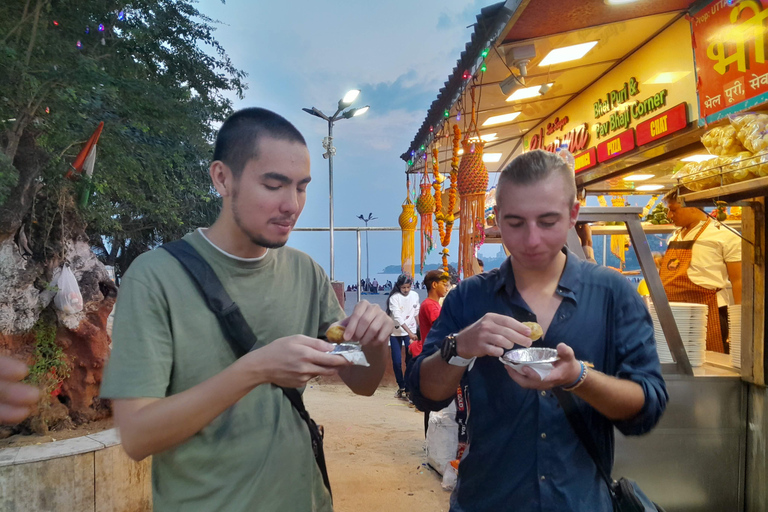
(395, 343)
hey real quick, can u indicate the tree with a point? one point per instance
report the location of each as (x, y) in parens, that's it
(154, 73)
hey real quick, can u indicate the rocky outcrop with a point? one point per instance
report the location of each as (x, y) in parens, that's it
(26, 292)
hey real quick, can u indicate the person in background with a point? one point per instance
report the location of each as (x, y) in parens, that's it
(17, 400)
(481, 265)
(403, 307)
(437, 283)
(524, 454)
(702, 257)
(584, 231)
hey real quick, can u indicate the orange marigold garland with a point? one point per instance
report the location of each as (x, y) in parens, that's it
(444, 216)
(425, 205)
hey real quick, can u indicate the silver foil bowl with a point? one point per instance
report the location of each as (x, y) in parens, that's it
(526, 356)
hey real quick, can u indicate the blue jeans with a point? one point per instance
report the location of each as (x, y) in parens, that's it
(397, 361)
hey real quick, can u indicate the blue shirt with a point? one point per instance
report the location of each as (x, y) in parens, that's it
(523, 454)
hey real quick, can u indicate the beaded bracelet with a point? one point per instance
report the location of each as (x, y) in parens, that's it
(580, 380)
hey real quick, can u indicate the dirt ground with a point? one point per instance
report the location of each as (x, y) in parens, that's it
(374, 448)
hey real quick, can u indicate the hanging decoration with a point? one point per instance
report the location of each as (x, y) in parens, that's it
(425, 205)
(473, 182)
(408, 221)
(444, 215)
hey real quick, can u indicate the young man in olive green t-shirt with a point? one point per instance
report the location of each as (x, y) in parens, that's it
(222, 434)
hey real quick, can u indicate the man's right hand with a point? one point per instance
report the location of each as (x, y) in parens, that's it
(294, 360)
(16, 399)
(491, 336)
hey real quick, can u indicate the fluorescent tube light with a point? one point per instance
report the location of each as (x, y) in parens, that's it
(503, 118)
(528, 92)
(698, 158)
(567, 53)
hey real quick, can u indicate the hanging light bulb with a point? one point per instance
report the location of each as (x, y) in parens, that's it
(121, 15)
(458, 116)
(79, 44)
(466, 75)
(447, 113)
(55, 23)
(87, 30)
(101, 27)
(483, 67)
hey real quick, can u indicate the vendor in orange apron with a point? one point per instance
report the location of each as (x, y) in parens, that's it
(679, 287)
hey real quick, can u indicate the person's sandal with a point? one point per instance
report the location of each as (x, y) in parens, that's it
(400, 393)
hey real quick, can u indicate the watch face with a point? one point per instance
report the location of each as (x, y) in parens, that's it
(447, 349)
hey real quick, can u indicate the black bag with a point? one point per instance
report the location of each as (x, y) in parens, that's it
(238, 333)
(626, 496)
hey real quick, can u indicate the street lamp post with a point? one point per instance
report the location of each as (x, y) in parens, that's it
(342, 112)
(367, 267)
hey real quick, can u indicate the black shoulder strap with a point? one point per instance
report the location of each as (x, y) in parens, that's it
(239, 334)
(568, 404)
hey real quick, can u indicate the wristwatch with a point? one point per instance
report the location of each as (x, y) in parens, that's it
(449, 355)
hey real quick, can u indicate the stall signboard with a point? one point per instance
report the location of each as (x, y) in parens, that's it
(652, 92)
(585, 160)
(615, 146)
(659, 126)
(729, 44)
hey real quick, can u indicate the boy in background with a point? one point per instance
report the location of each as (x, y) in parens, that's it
(437, 283)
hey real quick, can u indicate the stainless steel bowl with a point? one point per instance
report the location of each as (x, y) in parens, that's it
(532, 355)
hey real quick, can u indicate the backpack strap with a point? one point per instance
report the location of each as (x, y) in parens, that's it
(238, 333)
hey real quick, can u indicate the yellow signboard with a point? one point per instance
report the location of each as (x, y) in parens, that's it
(657, 77)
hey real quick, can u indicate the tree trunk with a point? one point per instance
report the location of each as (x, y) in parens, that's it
(29, 161)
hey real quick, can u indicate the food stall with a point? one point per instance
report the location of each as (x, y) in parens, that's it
(648, 97)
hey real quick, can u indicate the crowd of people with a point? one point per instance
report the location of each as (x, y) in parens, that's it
(185, 392)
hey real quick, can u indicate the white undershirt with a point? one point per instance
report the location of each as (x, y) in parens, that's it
(228, 255)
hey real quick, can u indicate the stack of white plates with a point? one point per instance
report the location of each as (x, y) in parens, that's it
(734, 334)
(691, 320)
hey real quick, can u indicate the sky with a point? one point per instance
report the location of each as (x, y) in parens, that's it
(306, 53)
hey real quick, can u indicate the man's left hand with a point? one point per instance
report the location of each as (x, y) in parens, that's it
(565, 372)
(368, 324)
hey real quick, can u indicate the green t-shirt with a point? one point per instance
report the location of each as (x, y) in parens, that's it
(257, 455)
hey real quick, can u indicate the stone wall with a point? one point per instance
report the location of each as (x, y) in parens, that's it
(90, 473)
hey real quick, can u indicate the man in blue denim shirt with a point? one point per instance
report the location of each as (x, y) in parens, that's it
(523, 454)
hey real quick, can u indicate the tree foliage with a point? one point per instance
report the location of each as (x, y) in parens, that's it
(157, 78)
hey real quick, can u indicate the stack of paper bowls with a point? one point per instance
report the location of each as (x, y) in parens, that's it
(734, 334)
(691, 320)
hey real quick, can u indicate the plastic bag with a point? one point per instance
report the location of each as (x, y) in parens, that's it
(450, 475)
(442, 438)
(722, 141)
(68, 299)
(751, 130)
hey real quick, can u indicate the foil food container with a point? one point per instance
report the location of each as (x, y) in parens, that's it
(533, 355)
(352, 352)
(537, 359)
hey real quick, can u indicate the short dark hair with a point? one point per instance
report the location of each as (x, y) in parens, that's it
(534, 166)
(434, 276)
(480, 262)
(238, 138)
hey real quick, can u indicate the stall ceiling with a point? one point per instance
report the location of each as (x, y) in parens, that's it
(615, 42)
(544, 18)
